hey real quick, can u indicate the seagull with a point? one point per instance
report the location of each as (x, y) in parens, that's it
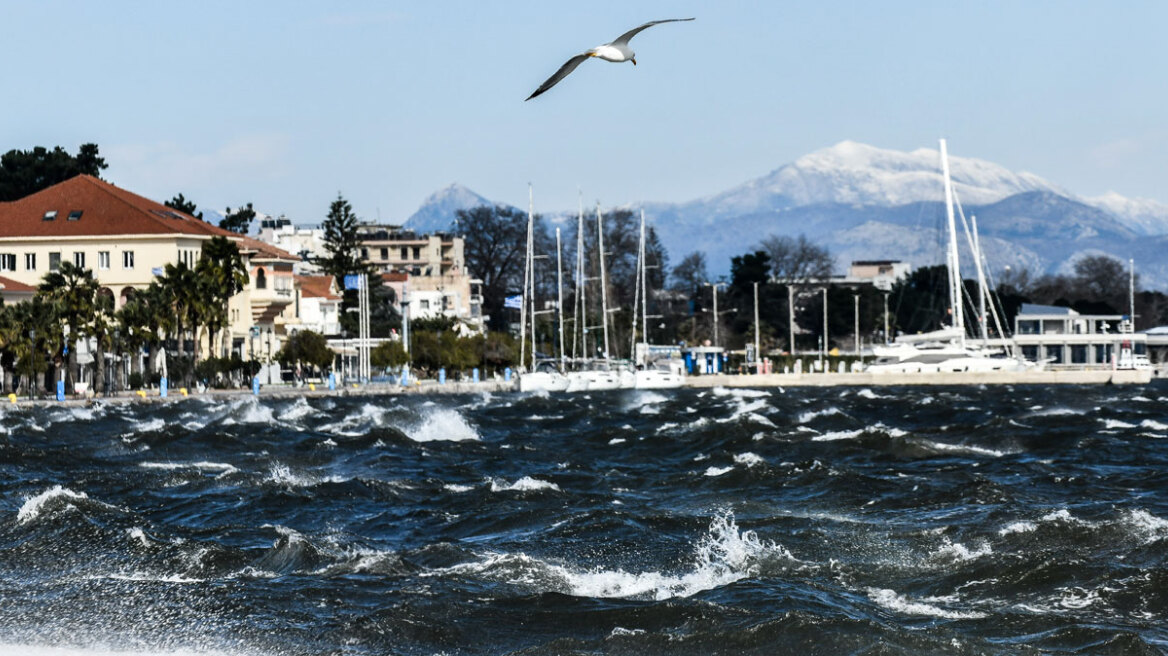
(617, 51)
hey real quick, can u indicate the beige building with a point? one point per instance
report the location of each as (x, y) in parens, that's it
(436, 280)
(127, 240)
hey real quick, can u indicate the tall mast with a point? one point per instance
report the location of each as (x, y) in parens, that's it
(636, 300)
(603, 278)
(523, 297)
(982, 288)
(560, 297)
(580, 320)
(644, 288)
(955, 299)
(531, 261)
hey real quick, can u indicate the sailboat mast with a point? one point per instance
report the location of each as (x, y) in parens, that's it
(644, 288)
(982, 288)
(955, 299)
(523, 297)
(560, 296)
(580, 321)
(603, 278)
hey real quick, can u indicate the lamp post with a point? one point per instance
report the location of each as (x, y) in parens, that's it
(757, 355)
(791, 316)
(715, 285)
(823, 346)
(856, 298)
(31, 351)
(269, 356)
(885, 318)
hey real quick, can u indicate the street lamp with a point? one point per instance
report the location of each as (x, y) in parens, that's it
(715, 285)
(31, 351)
(269, 356)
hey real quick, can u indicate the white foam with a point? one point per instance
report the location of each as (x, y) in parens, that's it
(1154, 425)
(740, 392)
(811, 415)
(963, 448)
(455, 487)
(34, 505)
(1146, 525)
(721, 557)
(298, 410)
(718, 471)
(891, 600)
(41, 650)
(525, 484)
(749, 459)
(1018, 527)
(959, 552)
(617, 440)
(1115, 423)
(838, 435)
(443, 425)
(221, 467)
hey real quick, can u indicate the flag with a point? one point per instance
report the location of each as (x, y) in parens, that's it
(514, 302)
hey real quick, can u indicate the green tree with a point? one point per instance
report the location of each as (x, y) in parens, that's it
(342, 242)
(221, 266)
(238, 220)
(389, 354)
(496, 244)
(183, 205)
(73, 292)
(24, 172)
(306, 347)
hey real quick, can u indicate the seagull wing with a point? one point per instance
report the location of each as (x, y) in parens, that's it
(624, 38)
(568, 67)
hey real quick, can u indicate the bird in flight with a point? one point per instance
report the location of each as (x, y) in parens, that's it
(617, 51)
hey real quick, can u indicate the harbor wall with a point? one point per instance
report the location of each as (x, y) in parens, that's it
(1061, 377)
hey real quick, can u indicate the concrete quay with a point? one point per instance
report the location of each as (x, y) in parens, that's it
(865, 379)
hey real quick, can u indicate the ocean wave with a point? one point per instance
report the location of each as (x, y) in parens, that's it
(811, 415)
(895, 601)
(443, 425)
(54, 498)
(722, 556)
(525, 484)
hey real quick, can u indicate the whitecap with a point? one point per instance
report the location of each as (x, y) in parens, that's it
(525, 484)
(891, 600)
(1018, 527)
(749, 459)
(963, 448)
(956, 551)
(457, 488)
(741, 393)
(810, 415)
(443, 425)
(721, 557)
(33, 506)
(717, 471)
(221, 467)
(1154, 425)
(617, 440)
(1115, 423)
(838, 435)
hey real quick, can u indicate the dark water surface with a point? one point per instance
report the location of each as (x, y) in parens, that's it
(998, 520)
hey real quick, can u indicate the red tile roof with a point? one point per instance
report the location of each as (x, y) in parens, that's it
(317, 287)
(10, 285)
(264, 250)
(105, 210)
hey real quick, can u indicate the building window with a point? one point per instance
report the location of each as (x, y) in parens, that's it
(79, 259)
(405, 253)
(51, 215)
(30, 261)
(1078, 354)
(54, 261)
(385, 253)
(7, 261)
(75, 215)
(1054, 353)
(261, 279)
(103, 260)
(127, 259)
(417, 252)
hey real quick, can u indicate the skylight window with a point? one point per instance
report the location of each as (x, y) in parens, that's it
(75, 215)
(51, 215)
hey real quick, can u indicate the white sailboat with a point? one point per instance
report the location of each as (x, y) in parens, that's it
(594, 374)
(543, 376)
(649, 373)
(947, 350)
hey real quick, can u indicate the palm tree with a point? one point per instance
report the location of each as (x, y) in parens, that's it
(73, 291)
(222, 265)
(39, 334)
(10, 335)
(103, 321)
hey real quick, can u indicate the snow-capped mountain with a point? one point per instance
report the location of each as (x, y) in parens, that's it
(864, 202)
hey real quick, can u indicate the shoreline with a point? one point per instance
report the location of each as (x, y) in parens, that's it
(1089, 377)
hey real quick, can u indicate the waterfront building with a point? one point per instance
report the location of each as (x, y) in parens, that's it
(1066, 339)
(127, 240)
(12, 291)
(428, 272)
(318, 305)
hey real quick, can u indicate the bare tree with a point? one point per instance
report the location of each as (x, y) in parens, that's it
(796, 259)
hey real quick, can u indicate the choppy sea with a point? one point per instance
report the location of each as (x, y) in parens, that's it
(972, 520)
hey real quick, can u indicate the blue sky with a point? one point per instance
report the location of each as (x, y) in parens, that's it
(286, 103)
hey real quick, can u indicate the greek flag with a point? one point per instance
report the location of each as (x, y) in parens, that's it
(514, 302)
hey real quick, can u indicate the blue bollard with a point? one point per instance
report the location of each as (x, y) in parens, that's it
(442, 376)
(332, 381)
(507, 374)
(405, 377)
(255, 385)
(162, 388)
(60, 390)
(476, 374)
